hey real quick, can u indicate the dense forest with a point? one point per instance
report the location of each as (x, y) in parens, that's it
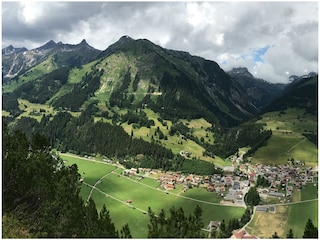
(228, 141)
(83, 136)
(43, 195)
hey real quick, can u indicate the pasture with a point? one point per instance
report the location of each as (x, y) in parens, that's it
(287, 140)
(281, 147)
(115, 189)
(177, 143)
(292, 216)
(298, 215)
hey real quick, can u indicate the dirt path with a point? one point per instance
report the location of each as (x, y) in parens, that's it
(98, 182)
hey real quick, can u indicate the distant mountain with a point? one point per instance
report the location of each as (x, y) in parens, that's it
(17, 61)
(302, 92)
(260, 92)
(12, 50)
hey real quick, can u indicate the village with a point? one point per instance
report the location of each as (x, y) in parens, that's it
(236, 181)
(233, 185)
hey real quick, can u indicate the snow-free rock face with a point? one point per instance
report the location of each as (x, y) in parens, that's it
(16, 61)
(12, 50)
(260, 92)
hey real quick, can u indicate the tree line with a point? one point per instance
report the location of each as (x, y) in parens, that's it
(42, 196)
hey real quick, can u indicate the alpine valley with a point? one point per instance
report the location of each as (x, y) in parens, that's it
(154, 131)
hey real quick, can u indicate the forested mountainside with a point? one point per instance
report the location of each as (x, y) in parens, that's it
(260, 92)
(127, 79)
(121, 85)
(138, 104)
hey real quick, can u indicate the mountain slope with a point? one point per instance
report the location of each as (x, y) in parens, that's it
(155, 95)
(177, 82)
(17, 61)
(259, 91)
(301, 93)
(133, 73)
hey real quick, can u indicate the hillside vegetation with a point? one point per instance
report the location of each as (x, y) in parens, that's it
(294, 137)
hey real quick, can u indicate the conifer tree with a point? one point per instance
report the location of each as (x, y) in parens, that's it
(310, 230)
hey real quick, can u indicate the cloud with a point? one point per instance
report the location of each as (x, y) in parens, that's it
(269, 38)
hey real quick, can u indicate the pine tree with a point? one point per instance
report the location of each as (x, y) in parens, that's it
(310, 230)
(252, 198)
(290, 233)
(125, 232)
(275, 235)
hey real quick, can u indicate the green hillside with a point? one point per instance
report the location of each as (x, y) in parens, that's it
(291, 131)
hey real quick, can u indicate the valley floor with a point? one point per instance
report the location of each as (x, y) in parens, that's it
(137, 191)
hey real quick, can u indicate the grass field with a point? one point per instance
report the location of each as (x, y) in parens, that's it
(115, 189)
(287, 140)
(292, 216)
(298, 215)
(281, 147)
(264, 224)
(310, 191)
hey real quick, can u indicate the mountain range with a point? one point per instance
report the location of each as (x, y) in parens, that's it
(174, 74)
(130, 78)
(16, 61)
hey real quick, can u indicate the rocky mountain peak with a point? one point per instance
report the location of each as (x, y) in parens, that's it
(49, 45)
(11, 50)
(240, 71)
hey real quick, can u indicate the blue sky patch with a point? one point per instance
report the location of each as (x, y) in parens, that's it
(258, 53)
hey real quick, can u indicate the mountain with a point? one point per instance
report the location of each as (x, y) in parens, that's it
(140, 100)
(188, 84)
(260, 92)
(11, 50)
(301, 93)
(17, 61)
(133, 73)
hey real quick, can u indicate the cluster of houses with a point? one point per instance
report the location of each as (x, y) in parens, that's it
(233, 187)
(170, 179)
(282, 178)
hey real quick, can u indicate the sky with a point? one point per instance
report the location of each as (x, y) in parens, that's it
(272, 39)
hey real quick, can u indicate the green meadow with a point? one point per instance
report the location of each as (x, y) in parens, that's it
(298, 215)
(115, 189)
(176, 143)
(287, 140)
(281, 147)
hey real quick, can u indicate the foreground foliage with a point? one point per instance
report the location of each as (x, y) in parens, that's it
(44, 195)
(177, 225)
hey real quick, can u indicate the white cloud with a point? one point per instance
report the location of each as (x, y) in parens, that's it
(229, 33)
(30, 12)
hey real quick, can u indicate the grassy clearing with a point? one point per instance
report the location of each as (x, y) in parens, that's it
(293, 216)
(264, 224)
(175, 142)
(33, 109)
(144, 194)
(281, 146)
(286, 140)
(202, 194)
(298, 215)
(292, 119)
(310, 191)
